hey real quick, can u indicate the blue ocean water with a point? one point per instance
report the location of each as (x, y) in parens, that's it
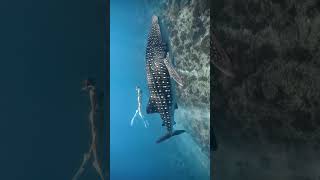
(47, 49)
(133, 151)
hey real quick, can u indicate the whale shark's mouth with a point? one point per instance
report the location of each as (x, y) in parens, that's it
(154, 19)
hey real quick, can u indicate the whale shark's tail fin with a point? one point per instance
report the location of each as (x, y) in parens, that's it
(169, 135)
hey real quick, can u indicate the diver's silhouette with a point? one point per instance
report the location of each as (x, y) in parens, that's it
(138, 111)
(91, 89)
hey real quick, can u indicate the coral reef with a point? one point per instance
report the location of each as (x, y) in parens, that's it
(274, 99)
(187, 24)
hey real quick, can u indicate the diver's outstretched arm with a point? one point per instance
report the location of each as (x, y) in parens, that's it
(135, 114)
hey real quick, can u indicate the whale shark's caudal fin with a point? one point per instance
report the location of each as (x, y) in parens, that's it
(169, 135)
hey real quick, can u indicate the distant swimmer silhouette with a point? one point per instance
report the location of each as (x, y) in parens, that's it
(90, 88)
(138, 111)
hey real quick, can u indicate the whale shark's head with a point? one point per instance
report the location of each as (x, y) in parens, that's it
(154, 19)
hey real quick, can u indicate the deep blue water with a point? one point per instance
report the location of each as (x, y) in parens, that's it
(47, 49)
(133, 151)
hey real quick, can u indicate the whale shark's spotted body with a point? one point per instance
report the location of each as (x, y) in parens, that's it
(159, 71)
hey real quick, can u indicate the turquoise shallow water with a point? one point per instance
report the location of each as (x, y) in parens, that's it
(133, 151)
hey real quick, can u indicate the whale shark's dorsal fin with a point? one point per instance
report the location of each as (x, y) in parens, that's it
(151, 107)
(173, 73)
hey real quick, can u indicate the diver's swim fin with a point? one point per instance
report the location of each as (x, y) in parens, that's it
(169, 135)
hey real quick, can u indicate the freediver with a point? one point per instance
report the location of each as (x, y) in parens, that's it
(90, 88)
(138, 111)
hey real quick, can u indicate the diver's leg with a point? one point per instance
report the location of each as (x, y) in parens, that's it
(140, 114)
(87, 156)
(135, 114)
(96, 164)
(94, 148)
(146, 124)
(81, 169)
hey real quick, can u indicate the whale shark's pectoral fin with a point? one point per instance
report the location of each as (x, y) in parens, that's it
(151, 107)
(165, 47)
(173, 73)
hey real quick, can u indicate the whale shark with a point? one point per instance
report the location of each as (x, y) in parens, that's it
(160, 71)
